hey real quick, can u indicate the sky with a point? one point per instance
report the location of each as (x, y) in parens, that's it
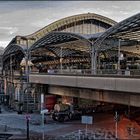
(26, 17)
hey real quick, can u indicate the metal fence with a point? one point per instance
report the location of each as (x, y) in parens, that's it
(113, 72)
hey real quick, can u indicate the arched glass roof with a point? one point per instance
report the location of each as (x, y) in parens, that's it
(69, 20)
(127, 30)
(13, 48)
(55, 40)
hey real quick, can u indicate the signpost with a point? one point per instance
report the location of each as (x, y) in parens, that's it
(43, 112)
(28, 117)
(42, 101)
(87, 120)
(117, 119)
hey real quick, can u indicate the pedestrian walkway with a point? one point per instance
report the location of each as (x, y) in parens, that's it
(6, 110)
(102, 128)
(90, 135)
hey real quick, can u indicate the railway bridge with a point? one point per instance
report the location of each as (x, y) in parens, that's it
(121, 89)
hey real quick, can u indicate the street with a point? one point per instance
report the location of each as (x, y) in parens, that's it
(103, 126)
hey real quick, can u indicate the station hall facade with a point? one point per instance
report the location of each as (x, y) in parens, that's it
(66, 46)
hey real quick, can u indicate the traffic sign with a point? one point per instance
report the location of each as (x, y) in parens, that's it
(28, 117)
(44, 111)
(87, 119)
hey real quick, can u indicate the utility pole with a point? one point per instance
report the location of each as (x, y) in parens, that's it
(27, 71)
(11, 81)
(117, 119)
(116, 127)
(61, 55)
(119, 56)
(28, 132)
(93, 59)
(27, 85)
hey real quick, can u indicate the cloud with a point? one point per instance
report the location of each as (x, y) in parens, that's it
(115, 6)
(5, 28)
(13, 30)
(8, 30)
(4, 43)
(26, 17)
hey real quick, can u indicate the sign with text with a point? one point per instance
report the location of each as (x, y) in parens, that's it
(42, 98)
(28, 117)
(42, 101)
(44, 111)
(87, 119)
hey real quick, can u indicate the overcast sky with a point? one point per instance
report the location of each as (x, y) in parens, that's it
(26, 17)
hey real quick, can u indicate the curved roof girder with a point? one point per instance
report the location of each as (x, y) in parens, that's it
(114, 53)
(12, 48)
(131, 24)
(66, 60)
(65, 51)
(113, 43)
(57, 24)
(55, 38)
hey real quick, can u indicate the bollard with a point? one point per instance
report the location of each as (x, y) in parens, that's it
(79, 134)
(28, 129)
(5, 128)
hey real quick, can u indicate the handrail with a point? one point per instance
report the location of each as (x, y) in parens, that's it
(88, 72)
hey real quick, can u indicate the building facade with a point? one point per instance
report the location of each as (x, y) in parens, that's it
(63, 45)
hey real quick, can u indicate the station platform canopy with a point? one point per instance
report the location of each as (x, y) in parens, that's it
(126, 32)
(66, 40)
(64, 44)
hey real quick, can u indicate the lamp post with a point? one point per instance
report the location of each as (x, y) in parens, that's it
(11, 80)
(27, 71)
(61, 59)
(26, 62)
(119, 55)
(93, 59)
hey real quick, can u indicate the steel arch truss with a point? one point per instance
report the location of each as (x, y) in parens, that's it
(12, 51)
(60, 44)
(128, 31)
(71, 21)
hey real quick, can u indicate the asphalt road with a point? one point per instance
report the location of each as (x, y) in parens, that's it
(103, 126)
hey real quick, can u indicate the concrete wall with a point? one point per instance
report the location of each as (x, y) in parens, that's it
(103, 83)
(98, 95)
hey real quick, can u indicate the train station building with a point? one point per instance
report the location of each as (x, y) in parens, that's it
(86, 44)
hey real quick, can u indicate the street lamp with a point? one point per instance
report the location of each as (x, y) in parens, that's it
(11, 80)
(120, 55)
(93, 59)
(27, 63)
(61, 59)
(24, 64)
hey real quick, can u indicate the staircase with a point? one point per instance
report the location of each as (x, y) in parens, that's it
(30, 103)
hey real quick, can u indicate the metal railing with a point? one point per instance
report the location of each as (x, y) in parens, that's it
(113, 72)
